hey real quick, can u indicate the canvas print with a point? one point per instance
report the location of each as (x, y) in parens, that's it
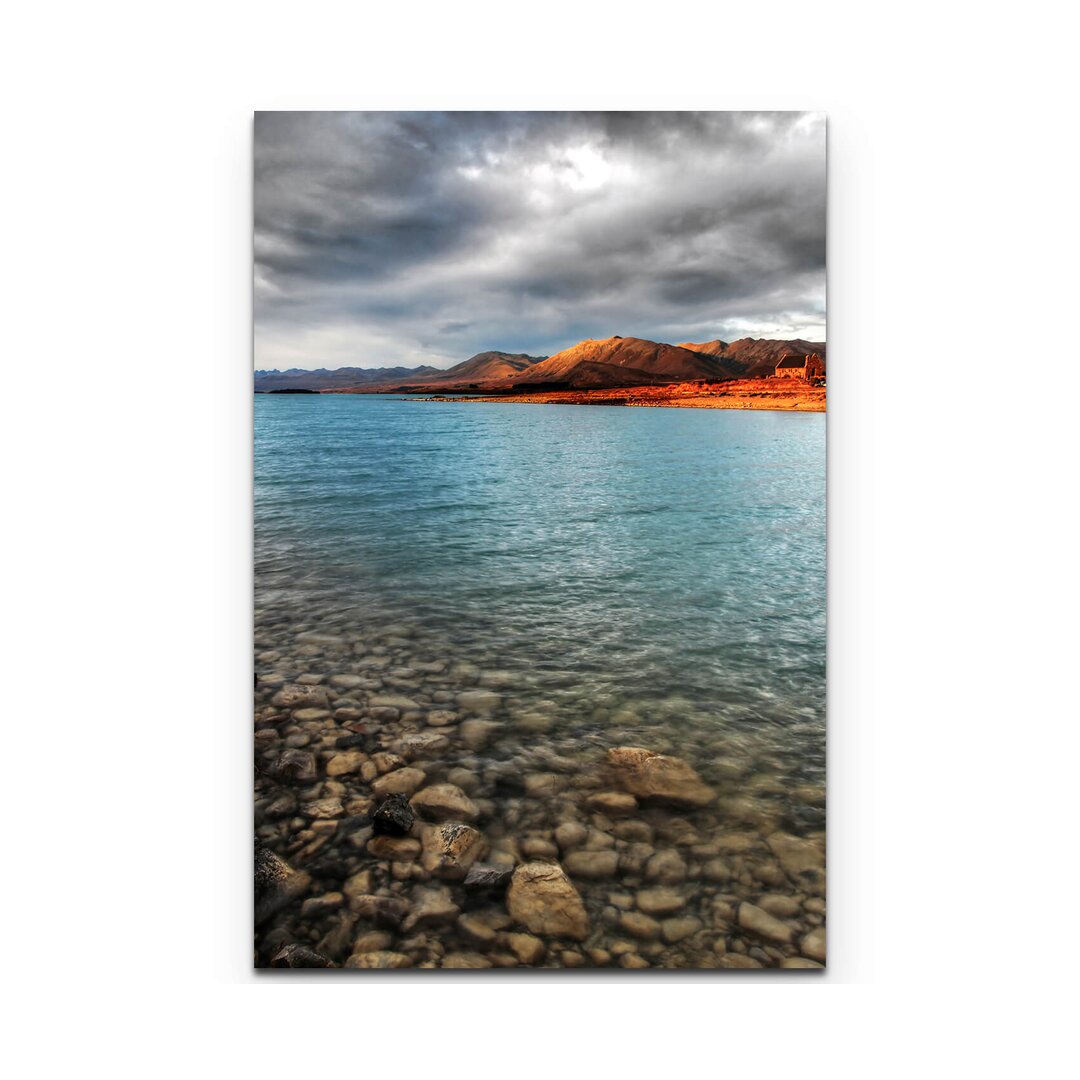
(539, 509)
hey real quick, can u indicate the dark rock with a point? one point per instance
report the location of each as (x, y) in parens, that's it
(330, 867)
(801, 819)
(485, 877)
(394, 816)
(297, 956)
(351, 742)
(509, 786)
(296, 765)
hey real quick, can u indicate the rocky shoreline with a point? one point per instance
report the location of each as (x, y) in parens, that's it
(785, 395)
(412, 812)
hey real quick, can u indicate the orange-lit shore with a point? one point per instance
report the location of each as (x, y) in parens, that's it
(782, 396)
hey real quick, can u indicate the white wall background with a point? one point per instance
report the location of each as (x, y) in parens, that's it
(124, 255)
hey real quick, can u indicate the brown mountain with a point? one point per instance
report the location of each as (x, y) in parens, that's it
(753, 358)
(490, 365)
(619, 361)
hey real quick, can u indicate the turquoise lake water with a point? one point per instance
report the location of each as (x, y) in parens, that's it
(474, 604)
(670, 562)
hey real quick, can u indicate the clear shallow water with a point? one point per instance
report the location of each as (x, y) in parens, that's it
(655, 552)
(619, 575)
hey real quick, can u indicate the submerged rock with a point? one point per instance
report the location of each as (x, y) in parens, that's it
(465, 960)
(612, 803)
(379, 959)
(394, 816)
(444, 802)
(476, 734)
(592, 864)
(660, 901)
(421, 744)
(803, 860)
(528, 949)
(542, 898)
(295, 696)
(298, 956)
(384, 911)
(763, 924)
(432, 907)
(649, 775)
(481, 702)
(483, 876)
(666, 867)
(347, 762)
(638, 925)
(394, 848)
(398, 782)
(450, 849)
(674, 930)
(813, 945)
(276, 883)
(298, 765)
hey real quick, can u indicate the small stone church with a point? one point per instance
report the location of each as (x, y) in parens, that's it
(806, 368)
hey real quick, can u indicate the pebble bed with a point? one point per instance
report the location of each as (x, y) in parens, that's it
(416, 809)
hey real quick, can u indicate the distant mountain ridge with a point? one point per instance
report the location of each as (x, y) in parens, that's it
(606, 363)
(485, 365)
(338, 378)
(491, 365)
(625, 361)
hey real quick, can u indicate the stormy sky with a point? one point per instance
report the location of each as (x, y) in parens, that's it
(423, 238)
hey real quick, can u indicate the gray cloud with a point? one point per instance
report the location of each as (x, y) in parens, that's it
(408, 238)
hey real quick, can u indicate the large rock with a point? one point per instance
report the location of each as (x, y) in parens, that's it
(528, 949)
(674, 930)
(421, 744)
(813, 945)
(315, 907)
(649, 775)
(378, 960)
(638, 925)
(294, 696)
(450, 849)
(383, 911)
(803, 860)
(542, 899)
(465, 960)
(759, 922)
(393, 701)
(276, 883)
(660, 901)
(399, 782)
(612, 803)
(394, 848)
(666, 867)
(481, 702)
(476, 734)
(431, 907)
(592, 865)
(349, 761)
(444, 802)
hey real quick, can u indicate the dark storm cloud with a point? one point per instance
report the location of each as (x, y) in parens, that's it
(386, 238)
